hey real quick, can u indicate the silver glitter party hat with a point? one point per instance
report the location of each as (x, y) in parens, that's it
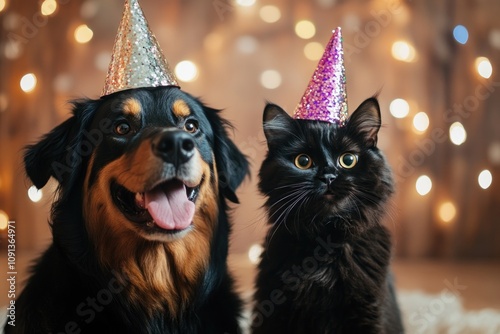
(325, 98)
(137, 60)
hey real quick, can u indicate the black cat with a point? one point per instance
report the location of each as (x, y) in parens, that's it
(325, 264)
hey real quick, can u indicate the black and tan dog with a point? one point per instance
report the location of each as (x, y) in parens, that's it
(140, 226)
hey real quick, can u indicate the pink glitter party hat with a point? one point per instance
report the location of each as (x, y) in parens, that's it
(137, 60)
(325, 98)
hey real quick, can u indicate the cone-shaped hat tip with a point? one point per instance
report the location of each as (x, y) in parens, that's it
(325, 98)
(137, 60)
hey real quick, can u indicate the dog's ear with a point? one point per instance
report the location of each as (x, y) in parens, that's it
(59, 153)
(232, 165)
(41, 158)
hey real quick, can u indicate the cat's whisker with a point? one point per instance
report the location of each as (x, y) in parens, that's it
(282, 208)
(294, 185)
(279, 210)
(290, 194)
(260, 218)
(291, 207)
(289, 210)
(304, 205)
(279, 221)
(297, 215)
(278, 225)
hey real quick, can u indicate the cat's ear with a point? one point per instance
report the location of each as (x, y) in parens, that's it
(276, 122)
(365, 121)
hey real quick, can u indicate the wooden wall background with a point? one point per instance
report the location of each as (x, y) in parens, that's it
(232, 46)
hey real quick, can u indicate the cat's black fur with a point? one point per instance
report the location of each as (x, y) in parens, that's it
(325, 265)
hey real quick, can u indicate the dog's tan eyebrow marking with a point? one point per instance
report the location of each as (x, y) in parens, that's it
(181, 109)
(132, 107)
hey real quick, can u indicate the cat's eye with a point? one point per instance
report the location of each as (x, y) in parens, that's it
(303, 161)
(348, 160)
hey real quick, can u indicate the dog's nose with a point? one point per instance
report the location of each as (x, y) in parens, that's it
(174, 147)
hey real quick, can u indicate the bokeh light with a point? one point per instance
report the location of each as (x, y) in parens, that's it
(313, 50)
(186, 71)
(403, 51)
(12, 49)
(494, 38)
(48, 7)
(421, 121)
(245, 3)
(4, 220)
(485, 179)
(28, 82)
(305, 29)
(399, 108)
(483, 67)
(83, 34)
(270, 79)
(270, 14)
(423, 185)
(34, 194)
(246, 44)
(3, 4)
(447, 212)
(254, 253)
(458, 135)
(494, 153)
(461, 34)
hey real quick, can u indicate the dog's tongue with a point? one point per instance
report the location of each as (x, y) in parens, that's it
(169, 206)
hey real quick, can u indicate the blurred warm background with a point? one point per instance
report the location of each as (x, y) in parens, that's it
(435, 64)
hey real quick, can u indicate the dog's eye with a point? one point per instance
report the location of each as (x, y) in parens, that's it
(303, 161)
(348, 160)
(191, 126)
(122, 128)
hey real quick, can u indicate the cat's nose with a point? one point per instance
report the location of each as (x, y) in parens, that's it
(328, 179)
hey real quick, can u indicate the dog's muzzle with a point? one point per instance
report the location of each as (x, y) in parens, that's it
(167, 203)
(175, 147)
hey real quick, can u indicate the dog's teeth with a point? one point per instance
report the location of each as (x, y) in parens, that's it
(139, 200)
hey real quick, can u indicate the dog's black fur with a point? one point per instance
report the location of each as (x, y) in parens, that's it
(103, 272)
